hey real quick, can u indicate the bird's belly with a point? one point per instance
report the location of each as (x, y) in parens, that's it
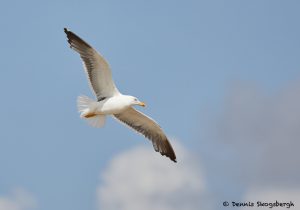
(110, 108)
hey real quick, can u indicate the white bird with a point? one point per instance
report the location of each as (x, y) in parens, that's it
(111, 102)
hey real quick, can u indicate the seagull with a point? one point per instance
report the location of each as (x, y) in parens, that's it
(110, 101)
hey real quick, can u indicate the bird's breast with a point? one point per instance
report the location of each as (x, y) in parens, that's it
(111, 106)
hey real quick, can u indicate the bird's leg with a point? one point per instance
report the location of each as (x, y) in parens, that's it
(90, 115)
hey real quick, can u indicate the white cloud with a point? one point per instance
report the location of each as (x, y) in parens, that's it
(19, 199)
(142, 179)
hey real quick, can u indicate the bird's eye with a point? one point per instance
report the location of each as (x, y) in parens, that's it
(135, 99)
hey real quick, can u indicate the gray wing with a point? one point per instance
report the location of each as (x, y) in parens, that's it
(97, 69)
(149, 128)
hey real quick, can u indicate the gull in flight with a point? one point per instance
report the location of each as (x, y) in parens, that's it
(111, 102)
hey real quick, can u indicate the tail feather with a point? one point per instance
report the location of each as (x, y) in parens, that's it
(86, 106)
(84, 102)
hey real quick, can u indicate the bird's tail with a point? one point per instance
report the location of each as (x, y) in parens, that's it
(86, 106)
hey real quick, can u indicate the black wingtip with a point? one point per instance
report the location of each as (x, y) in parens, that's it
(170, 152)
(173, 159)
(67, 31)
(72, 37)
(172, 156)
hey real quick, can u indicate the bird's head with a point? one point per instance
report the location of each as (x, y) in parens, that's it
(135, 101)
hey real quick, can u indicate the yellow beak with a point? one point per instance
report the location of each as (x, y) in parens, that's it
(142, 104)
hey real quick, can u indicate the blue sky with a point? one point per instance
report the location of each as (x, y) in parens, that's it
(183, 58)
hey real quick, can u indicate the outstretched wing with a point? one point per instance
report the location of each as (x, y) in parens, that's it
(97, 69)
(149, 128)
